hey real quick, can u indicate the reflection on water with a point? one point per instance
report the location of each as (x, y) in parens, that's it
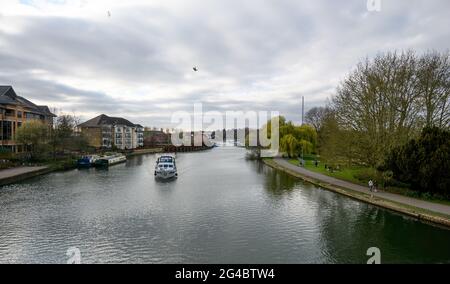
(221, 209)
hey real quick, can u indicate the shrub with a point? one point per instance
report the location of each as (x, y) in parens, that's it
(423, 163)
(367, 174)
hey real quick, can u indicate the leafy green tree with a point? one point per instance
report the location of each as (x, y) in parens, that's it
(268, 126)
(33, 135)
(294, 139)
(305, 147)
(308, 134)
(289, 145)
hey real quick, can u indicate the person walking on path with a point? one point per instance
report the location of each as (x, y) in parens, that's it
(370, 185)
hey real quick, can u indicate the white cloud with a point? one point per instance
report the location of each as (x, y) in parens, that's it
(138, 61)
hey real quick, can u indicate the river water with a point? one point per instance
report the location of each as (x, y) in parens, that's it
(221, 209)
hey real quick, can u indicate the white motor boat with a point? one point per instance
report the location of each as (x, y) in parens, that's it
(166, 167)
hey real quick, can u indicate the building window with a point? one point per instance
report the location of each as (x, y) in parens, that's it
(29, 115)
(106, 143)
(10, 112)
(8, 149)
(19, 114)
(6, 128)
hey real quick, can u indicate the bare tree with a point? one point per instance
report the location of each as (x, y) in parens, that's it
(315, 117)
(377, 102)
(434, 89)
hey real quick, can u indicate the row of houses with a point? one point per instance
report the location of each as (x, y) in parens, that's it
(101, 132)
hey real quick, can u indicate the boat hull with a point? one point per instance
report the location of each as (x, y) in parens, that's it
(165, 175)
(84, 164)
(106, 162)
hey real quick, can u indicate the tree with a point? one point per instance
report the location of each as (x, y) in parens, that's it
(33, 135)
(290, 145)
(63, 136)
(293, 139)
(434, 89)
(268, 126)
(307, 134)
(316, 116)
(329, 138)
(423, 163)
(386, 101)
(305, 147)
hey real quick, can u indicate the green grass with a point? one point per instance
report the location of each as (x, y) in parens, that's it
(61, 165)
(347, 174)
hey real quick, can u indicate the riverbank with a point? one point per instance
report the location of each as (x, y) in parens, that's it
(422, 210)
(18, 174)
(144, 152)
(14, 175)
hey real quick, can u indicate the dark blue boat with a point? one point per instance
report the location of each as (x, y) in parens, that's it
(86, 161)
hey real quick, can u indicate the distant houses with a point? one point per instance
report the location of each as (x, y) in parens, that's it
(107, 132)
(101, 132)
(15, 110)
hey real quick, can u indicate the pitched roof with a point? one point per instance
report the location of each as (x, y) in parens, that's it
(4, 89)
(8, 96)
(103, 119)
(122, 121)
(46, 110)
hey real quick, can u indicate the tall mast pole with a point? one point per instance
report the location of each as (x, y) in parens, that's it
(303, 109)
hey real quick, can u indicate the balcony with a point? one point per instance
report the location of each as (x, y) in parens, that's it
(10, 113)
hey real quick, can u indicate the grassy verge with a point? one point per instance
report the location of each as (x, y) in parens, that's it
(347, 174)
(352, 174)
(62, 165)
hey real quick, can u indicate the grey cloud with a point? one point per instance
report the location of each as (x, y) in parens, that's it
(239, 46)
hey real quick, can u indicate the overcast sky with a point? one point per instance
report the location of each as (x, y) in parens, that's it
(134, 58)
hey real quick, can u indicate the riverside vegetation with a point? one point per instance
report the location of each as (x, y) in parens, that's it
(389, 122)
(57, 147)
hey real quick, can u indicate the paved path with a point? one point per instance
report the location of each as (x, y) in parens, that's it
(436, 207)
(8, 173)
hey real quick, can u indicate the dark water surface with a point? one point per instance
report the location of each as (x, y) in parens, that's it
(222, 209)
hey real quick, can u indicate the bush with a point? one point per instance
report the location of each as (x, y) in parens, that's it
(5, 154)
(6, 164)
(367, 174)
(423, 163)
(309, 157)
